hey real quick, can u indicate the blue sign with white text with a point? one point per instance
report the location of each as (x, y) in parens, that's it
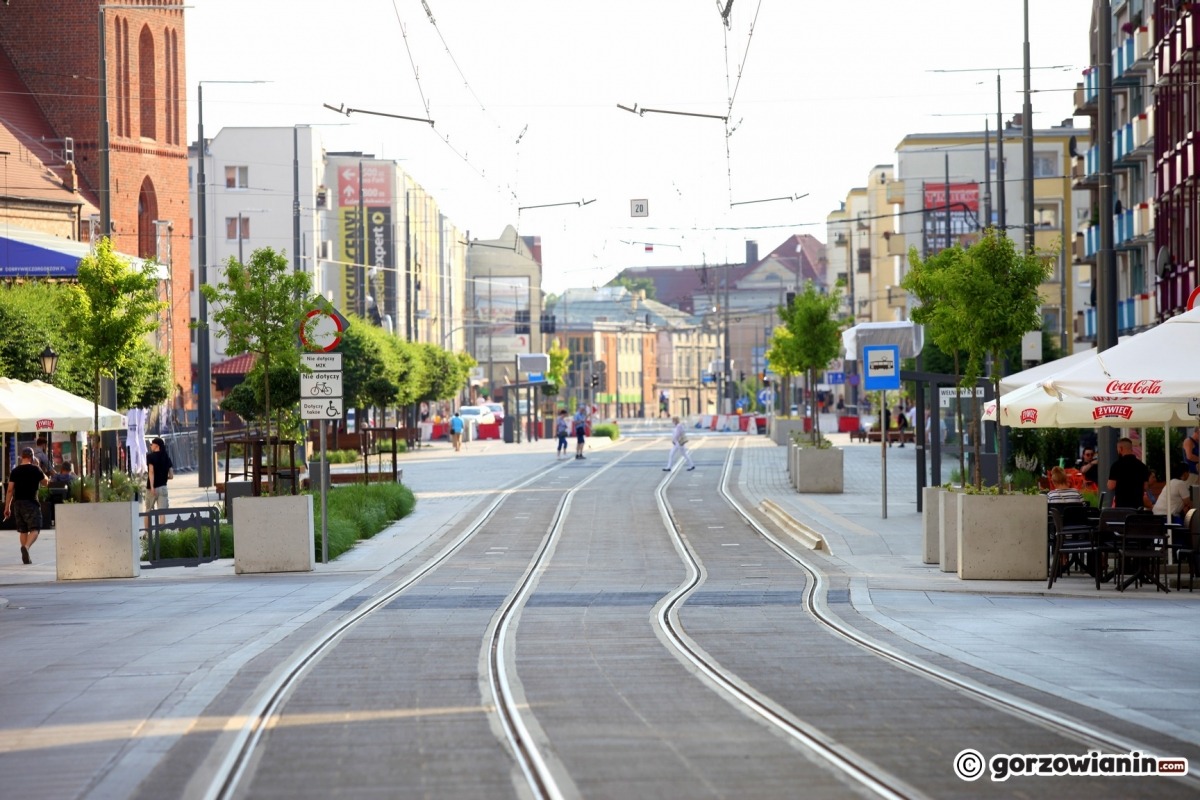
(882, 366)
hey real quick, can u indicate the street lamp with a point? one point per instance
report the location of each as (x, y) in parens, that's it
(49, 361)
(204, 438)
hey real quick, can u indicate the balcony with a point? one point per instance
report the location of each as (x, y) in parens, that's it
(1078, 249)
(1123, 144)
(895, 192)
(1091, 88)
(1091, 242)
(1092, 161)
(1080, 175)
(1143, 131)
(1123, 58)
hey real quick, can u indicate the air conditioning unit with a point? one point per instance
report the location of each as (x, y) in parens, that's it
(322, 197)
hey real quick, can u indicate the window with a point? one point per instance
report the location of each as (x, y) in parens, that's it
(237, 177)
(231, 228)
(146, 84)
(1045, 165)
(1045, 216)
(992, 165)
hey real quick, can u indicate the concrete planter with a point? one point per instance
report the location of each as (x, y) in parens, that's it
(947, 548)
(931, 514)
(1002, 537)
(273, 534)
(782, 429)
(97, 540)
(816, 471)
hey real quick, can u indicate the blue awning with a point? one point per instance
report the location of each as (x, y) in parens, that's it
(33, 254)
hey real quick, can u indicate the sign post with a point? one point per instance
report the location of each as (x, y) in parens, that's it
(321, 400)
(882, 367)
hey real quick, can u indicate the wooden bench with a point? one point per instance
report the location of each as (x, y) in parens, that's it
(204, 520)
(893, 436)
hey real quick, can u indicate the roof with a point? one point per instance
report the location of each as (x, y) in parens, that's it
(35, 168)
(238, 365)
(614, 305)
(801, 254)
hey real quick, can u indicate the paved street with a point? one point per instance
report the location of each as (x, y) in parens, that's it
(102, 680)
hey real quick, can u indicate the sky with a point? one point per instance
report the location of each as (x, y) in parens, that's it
(524, 100)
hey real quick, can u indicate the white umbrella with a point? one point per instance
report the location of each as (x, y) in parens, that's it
(1010, 383)
(1153, 366)
(1039, 406)
(25, 407)
(109, 420)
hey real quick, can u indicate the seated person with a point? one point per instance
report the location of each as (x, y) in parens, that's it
(1060, 488)
(1154, 488)
(65, 474)
(1176, 493)
(1088, 465)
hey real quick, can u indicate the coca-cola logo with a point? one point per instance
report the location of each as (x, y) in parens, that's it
(1112, 412)
(1029, 415)
(1134, 387)
(44, 425)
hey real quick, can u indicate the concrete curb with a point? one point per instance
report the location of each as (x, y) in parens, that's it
(797, 530)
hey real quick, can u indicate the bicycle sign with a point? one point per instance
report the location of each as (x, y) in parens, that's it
(320, 384)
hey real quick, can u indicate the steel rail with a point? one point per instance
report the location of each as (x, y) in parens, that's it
(816, 604)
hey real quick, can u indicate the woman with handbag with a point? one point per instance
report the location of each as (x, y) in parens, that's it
(678, 445)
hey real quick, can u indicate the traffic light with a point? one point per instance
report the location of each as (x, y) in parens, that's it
(595, 380)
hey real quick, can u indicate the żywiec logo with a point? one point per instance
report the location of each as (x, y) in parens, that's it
(1029, 415)
(44, 425)
(1111, 412)
(1134, 387)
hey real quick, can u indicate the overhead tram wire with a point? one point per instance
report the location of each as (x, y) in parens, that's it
(731, 91)
(445, 139)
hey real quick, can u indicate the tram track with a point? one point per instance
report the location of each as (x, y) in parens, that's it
(868, 775)
(234, 767)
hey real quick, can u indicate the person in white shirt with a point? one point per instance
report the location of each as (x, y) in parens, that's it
(678, 445)
(1176, 492)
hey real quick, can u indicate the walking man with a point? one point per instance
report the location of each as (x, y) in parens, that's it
(456, 429)
(678, 445)
(159, 469)
(562, 428)
(21, 501)
(581, 421)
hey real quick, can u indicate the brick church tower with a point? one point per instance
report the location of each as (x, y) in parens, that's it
(55, 47)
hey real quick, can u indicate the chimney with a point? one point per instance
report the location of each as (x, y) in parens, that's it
(69, 178)
(751, 252)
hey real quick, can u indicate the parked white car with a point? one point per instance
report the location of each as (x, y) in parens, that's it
(480, 415)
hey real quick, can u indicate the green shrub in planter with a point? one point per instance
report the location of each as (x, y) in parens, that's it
(606, 429)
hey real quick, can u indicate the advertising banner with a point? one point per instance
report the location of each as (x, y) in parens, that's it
(964, 213)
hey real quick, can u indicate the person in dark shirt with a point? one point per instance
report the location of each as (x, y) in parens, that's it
(1127, 476)
(158, 472)
(1088, 465)
(21, 502)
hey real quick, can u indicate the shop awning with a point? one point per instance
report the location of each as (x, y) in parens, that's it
(26, 253)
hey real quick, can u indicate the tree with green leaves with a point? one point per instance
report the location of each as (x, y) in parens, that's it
(108, 312)
(813, 340)
(560, 365)
(997, 301)
(259, 307)
(931, 282)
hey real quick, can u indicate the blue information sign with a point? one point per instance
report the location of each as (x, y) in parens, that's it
(836, 378)
(881, 364)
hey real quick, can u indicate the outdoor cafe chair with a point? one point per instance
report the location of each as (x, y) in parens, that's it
(1188, 548)
(1074, 536)
(1142, 552)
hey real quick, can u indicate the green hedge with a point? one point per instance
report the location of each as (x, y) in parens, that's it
(606, 429)
(355, 512)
